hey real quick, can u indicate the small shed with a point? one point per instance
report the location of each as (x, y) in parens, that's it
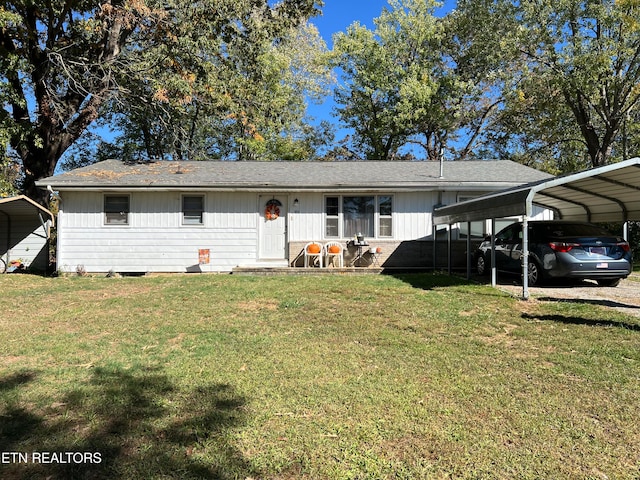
(24, 234)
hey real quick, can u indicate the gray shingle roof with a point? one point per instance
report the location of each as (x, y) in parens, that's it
(289, 176)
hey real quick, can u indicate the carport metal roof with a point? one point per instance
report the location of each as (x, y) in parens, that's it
(23, 206)
(605, 194)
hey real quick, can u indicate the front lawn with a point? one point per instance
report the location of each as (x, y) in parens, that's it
(220, 376)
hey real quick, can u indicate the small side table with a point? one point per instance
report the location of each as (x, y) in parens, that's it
(375, 256)
(359, 254)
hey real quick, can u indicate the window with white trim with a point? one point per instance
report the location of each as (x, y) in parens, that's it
(116, 209)
(358, 216)
(478, 228)
(385, 216)
(349, 215)
(192, 209)
(332, 217)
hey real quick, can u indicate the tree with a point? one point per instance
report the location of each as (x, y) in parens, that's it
(9, 174)
(380, 74)
(61, 63)
(578, 78)
(261, 114)
(9, 170)
(405, 84)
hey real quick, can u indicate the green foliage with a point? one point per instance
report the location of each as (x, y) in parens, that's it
(160, 67)
(570, 76)
(232, 98)
(388, 76)
(552, 84)
(407, 83)
(9, 175)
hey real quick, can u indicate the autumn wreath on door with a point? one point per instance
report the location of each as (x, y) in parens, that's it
(272, 209)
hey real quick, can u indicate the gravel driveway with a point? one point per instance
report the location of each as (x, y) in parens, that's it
(625, 297)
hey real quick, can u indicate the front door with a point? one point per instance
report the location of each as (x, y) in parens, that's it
(273, 227)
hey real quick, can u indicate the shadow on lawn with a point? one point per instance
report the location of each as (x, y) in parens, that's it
(430, 280)
(130, 424)
(15, 380)
(603, 302)
(582, 321)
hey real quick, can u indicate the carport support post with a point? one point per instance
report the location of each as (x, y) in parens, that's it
(494, 280)
(449, 238)
(469, 251)
(8, 262)
(625, 231)
(525, 257)
(435, 240)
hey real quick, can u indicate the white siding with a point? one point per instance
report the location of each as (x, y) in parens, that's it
(155, 239)
(307, 222)
(411, 216)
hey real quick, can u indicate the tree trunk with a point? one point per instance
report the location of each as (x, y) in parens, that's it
(41, 152)
(597, 148)
(41, 162)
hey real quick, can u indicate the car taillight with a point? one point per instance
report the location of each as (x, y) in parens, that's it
(562, 247)
(624, 246)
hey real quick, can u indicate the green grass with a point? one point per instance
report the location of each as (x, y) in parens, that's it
(219, 376)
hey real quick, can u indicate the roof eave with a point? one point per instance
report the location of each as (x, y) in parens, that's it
(438, 185)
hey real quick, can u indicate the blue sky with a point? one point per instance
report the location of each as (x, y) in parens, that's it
(337, 15)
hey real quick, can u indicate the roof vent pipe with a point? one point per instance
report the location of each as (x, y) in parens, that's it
(441, 163)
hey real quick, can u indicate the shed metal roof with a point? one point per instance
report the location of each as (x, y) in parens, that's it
(605, 194)
(296, 176)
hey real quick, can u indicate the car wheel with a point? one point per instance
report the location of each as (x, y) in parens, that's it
(609, 282)
(535, 273)
(481, 265)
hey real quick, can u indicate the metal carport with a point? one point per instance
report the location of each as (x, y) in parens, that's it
(24, 232)
(605, 194)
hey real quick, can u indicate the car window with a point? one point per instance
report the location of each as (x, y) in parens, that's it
(573, 230)
(504, 235)
(517, 232)
(510, 234)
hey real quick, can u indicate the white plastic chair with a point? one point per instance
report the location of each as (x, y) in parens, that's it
(333, 251)
(309, 257)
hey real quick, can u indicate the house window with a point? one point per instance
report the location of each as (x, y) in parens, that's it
(192, 210)
(478, 228)
(385, 210)
(332, 217)
(358, 216)
(349, 215)
(116, 209)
